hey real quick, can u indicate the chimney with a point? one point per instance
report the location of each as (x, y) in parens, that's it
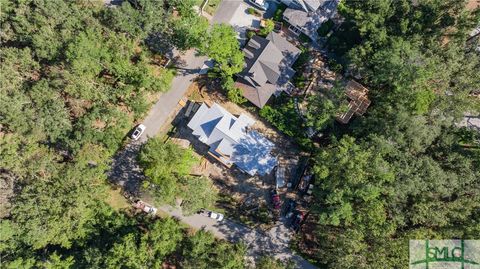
(254, 44)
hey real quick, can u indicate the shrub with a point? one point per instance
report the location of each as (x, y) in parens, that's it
(235, 95)
(269, 25)
(278, 15)
(250, 34)
(304, 38)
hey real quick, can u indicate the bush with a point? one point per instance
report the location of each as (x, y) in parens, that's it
(278, 15)
(250, 33)
(283, 116)
(269, 25)
(252, 11)
(235, 95)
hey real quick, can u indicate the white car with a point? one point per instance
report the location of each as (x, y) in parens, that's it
(215, 216)
(138, 131)
(147, 208)
(261, 4)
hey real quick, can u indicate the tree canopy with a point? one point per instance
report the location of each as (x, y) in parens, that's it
(406, 170)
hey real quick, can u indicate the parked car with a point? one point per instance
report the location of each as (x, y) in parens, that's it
(215, 216)
(138, 131)
(261, 4)
(275, 199)
(149, 209)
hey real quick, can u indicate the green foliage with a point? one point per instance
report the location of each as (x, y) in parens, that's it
(199, 252)
(223, 47)
(138, 18)
(189, 30)
(269, 26)
(235, 95)
(408, 170)
(284, 116)
(198, 192)
(278, 15)
(165, 164)
(161, 159)
(268, 262)
(74, 75)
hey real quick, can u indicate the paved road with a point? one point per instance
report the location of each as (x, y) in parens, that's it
(188, 69)
(126, 172)
(274, 242)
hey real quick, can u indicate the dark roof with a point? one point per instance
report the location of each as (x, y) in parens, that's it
(310, 19)
(268, 62)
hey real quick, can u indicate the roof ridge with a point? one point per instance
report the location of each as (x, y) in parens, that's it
(261, 53)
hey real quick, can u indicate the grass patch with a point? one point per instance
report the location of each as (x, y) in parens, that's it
(210, 7)
(116, 200)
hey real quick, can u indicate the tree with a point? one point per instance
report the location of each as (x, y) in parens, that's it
(201, 194)
(235, 95)
(268, 262)
(322, 109)
(165, 164)
(223, 47)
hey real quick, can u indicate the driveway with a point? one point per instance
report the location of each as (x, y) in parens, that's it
(188, 69)
(234, 13)
(125, 170)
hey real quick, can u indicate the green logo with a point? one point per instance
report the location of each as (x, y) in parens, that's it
(444, 254)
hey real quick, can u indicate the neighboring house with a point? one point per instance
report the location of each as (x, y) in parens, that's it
(306, 16)
(359, 102)
(268, 68)
(231, 142)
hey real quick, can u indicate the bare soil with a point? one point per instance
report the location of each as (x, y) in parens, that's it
(244, 197)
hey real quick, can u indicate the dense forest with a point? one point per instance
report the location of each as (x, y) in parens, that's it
(75, 77)
(405, 170)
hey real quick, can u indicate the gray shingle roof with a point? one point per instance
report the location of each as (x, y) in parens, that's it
(309, 21)
(228, 138)
(268, 62)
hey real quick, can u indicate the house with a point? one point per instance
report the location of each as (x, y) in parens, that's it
(306, 16)
(267, 69)
(230, 141)
(359, 102)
